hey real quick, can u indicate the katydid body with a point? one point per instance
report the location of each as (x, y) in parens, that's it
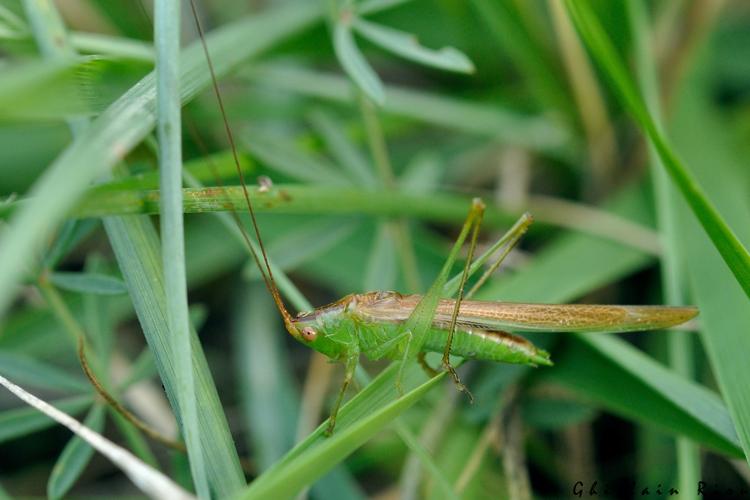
(372, 324)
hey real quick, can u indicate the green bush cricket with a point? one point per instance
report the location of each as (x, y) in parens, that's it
(387, 324)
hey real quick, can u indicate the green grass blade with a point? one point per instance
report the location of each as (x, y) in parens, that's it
(95, 283)
(720, 164)
(22, 421)
(169, 133)
(407, 46)
(136, 247)
(74, 457)
(30, 372)
(734, 253)
(646, 391)
(133, 437)
(267, 392)
(360, 419)
(123, 125)
(355, 64)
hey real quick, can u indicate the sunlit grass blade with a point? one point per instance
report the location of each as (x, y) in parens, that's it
(315, 199)
(734, 253)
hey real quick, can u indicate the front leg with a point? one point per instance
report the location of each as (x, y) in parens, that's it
(350, 364)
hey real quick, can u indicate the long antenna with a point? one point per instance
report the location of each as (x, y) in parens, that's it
(267, 274)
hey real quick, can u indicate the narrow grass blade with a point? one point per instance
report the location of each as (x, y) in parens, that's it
(23, 421)
(136, 247)
(360, 419)
(355, 64)
(146, 478)
(269, 397)
(407, 46)
(526, 52)
(94, 283)
(74, 457)
(734, 253)
(169, 133)
(112, 46)
(380, 271)
(29, 371)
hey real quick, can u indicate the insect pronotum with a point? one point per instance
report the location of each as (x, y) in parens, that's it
(386, 324)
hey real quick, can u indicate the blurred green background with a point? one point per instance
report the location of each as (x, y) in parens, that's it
(534, 122)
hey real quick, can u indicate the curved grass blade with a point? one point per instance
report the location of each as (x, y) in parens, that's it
(734, 253)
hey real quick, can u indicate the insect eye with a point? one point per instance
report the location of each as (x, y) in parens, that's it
(309, 334)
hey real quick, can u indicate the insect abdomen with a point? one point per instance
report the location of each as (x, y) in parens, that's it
(488, 345)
